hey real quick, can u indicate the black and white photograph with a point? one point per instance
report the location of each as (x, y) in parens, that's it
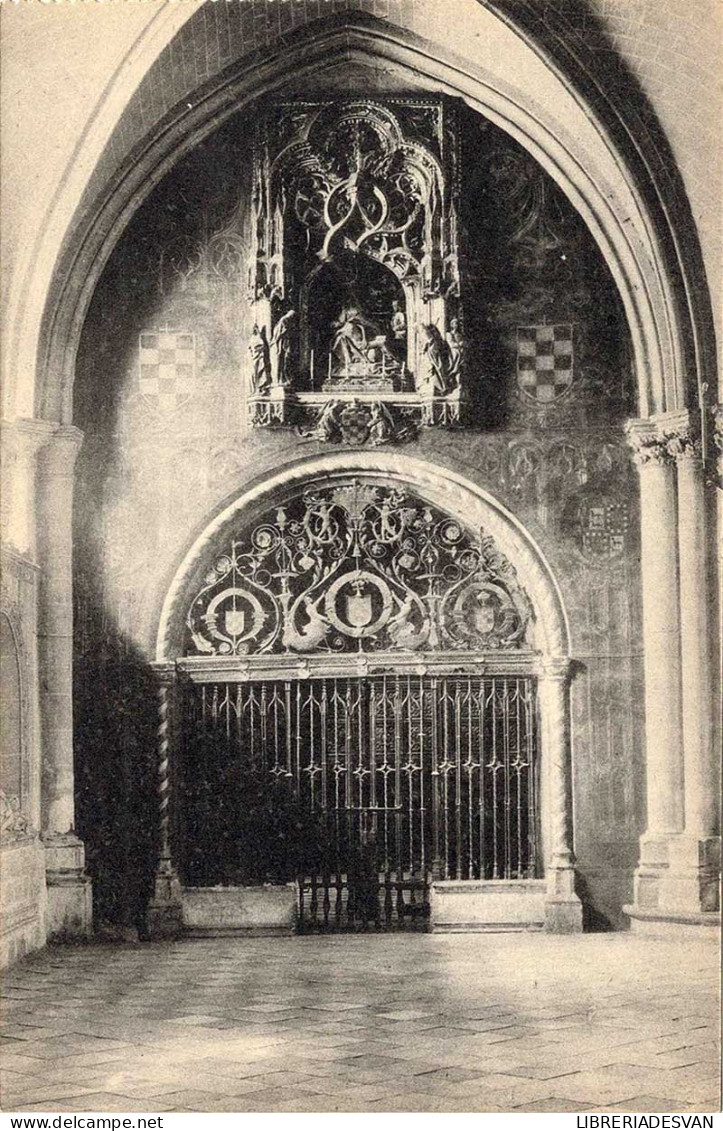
(362, 499)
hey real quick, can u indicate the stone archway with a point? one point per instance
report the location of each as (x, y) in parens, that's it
(661, 328)
(544, 659)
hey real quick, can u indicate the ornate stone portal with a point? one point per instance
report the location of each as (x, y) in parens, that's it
(354, 280)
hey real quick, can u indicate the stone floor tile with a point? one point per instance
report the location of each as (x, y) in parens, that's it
(182, 1020)
(652, 1104)
(557, 1105)
(99, 1101)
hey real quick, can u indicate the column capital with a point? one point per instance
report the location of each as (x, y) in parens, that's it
(684, 444)
(556, 669)
(58, 456)
(26, 437)
(648, 445)
(164, 672)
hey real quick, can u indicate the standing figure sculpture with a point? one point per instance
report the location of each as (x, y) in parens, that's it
(381, 425)
(260, 360)
(455, 349)
(281, 347)
(435, 363)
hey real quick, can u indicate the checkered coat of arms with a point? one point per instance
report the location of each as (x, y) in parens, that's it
(167, 368)
(544, 361)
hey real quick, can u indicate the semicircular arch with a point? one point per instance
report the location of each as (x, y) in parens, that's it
(452, 493)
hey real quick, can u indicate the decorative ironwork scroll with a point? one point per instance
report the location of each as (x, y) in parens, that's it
(357, 568)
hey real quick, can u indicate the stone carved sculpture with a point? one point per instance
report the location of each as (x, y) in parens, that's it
(434, 378)
(455, 353)
(13, 822)
(355, 228)
(260, 360)
(282, 341)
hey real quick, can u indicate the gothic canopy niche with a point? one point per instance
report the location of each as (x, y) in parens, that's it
(356, 568)
(354, 275)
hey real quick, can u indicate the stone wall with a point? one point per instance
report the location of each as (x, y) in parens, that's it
(22, 871)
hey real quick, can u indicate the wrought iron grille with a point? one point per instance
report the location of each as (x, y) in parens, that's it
(366, 789)
(356, 567)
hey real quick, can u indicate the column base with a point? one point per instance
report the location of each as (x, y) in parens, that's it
(678, 874)
(651, 871)
(675, 924)
(165, 911)
(70, 892)
(563, 908)
(692, 883)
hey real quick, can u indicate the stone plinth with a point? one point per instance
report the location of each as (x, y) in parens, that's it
(269, 909)
(488, 905)
(22, 899)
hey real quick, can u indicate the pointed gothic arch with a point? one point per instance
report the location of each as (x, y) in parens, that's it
(594, 174)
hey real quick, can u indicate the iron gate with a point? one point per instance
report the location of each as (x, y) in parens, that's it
(365, 788)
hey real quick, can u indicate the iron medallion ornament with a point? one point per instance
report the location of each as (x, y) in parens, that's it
(544, 361)
(357, 568)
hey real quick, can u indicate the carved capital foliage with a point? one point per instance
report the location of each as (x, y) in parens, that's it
(718, 429)
(683, 443)
(649, 446)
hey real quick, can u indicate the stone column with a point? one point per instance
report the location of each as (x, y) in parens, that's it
(22, 442)
(662, 660)
(165, 909)
(69, 891)
(693, 880)
(563, 909)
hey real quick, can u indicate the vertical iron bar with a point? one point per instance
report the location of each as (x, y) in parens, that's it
(298, 739)
(410, 782)
(458, 779)
(398, 798)
(495, 821)
(482, 798)
(445, 733)
(530, 715)
(469, 702)
(323, 746)
(519, 763)
(434, 691)
(422, 810)
(507, 776)
(287, 735)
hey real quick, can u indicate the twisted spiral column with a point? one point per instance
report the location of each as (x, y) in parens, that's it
(165, 909)
(164, 781)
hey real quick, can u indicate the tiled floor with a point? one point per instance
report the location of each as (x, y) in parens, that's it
(437, 1023)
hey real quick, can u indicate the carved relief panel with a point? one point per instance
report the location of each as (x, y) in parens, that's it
(354, 275)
